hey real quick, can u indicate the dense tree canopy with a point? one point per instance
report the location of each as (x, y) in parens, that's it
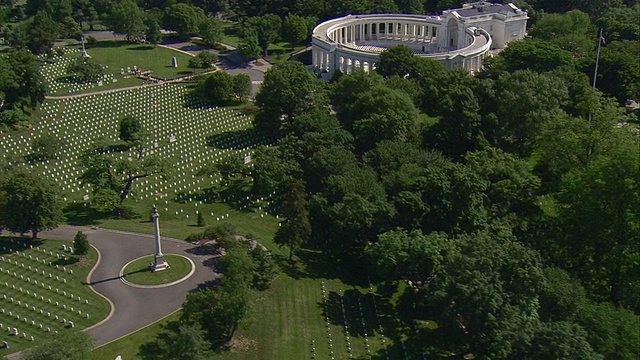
(288, 90)
(70, 345)
(127, 18)
(112, 178)
(186, 20)
(30, 202)
(21, 83)
(506, 202)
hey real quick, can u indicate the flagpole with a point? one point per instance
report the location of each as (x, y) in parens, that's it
(595, 73)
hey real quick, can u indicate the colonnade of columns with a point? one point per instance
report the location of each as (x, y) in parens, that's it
(375, 31)
(356, 44)
(322, 60)
(348, 65)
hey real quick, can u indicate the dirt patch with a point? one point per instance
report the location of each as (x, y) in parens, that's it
(242, 344)
(83, 261)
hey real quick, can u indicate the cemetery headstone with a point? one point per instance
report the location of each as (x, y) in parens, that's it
(174, 62)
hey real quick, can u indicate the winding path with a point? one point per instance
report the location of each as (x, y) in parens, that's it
(132, 308)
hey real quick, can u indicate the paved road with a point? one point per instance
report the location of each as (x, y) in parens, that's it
(134, 308)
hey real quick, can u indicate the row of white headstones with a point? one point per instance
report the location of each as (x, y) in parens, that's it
(41, 274)
(178, 130)
(346, 320)
(53, 71)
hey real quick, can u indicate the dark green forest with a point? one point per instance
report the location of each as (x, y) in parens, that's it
(508, 200)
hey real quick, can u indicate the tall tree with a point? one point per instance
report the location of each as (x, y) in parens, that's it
(572, 31)
(523, 102)
(111, 178)
(20, 79)
(127, 18)
(249, 46)
(81, 244)
(396, 60)
(288, 90)
(512, 187)
(152, 33)
(184, 19)
(71, 345)
(487, 293)
(533, 54)
(241, 86)
(295, 230)
(181, 341)
(220, 311)
(42, 33)
(380, 114)
(555, 340)
(215, 89)
(267, 27)
(599, 218)
(618, 71)
(130, 129)
(210, 30)
(31, 202)
(86, 69)
(295, 29)
(413, 256)
(45, 147)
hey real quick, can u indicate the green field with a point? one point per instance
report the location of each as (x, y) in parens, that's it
(119, 54)
(115, 55)
(38, 285)
(180, 129)
(138, 271)
(313, 310)
(316, 309)
(128, 346)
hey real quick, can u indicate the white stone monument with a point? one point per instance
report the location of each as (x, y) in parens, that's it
(84, 52)
(160, 263)
(174, 62)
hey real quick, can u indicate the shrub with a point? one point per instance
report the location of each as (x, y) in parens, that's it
(80, 243)
(203, 60)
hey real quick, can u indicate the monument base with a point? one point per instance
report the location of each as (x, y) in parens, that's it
(160, 264)
(84, 54)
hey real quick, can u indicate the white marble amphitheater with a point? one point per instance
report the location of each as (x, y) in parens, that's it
(459, 38)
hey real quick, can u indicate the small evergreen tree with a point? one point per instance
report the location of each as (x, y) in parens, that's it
(200, 220)
(80, 243)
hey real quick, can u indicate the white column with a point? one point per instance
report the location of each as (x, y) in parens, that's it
(160, 263)
(327, 62)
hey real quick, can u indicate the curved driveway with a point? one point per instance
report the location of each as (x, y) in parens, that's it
(134, 308)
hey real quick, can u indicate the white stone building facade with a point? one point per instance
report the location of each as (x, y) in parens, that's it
(459, 38)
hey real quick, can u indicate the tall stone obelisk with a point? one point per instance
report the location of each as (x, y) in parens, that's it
(160, 263)
(84, 52)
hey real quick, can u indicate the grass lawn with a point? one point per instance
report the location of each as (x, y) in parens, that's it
(230, 35)
(119, 54)
(316, 309)
(202, 135)
(46, 287)
(281, 52)
(128, 346)
(139, 272)
(115, 55)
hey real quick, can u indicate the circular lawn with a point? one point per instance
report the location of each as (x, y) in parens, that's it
(138, 271)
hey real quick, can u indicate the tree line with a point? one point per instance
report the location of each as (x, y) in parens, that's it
(508, 201)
